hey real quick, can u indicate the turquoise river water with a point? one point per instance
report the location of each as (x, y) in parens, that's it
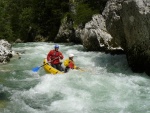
(106, 86)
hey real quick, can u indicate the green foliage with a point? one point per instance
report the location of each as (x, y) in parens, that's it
(5, 29)
(83, 14)
(27, 18)
(25, 21)
(96, 4)
(85, 9)
(47, 16)
(23, 18)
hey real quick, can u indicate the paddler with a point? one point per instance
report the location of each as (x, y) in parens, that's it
(54, 57)
(69, 63)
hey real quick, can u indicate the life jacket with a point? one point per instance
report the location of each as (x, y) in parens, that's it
(53, 56)
(69, 63)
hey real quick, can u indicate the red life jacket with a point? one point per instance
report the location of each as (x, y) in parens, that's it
(71, 64)
(54, 56)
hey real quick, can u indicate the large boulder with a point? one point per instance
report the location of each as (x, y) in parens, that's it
(5, 51)
(128, 22)
(95, 36)
(66, 32)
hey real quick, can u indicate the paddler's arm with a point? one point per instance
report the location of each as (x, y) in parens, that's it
(61, 56)
(49, 57)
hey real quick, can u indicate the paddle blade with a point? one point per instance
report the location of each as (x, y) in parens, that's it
(81, 69)
(35, 69)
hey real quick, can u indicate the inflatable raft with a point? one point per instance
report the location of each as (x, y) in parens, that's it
(49, 69)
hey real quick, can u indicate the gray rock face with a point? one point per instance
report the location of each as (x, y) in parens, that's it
(66, 32)
(95, 36)
(128, 21)
(123, 25)
(5, 51)
(18, 41)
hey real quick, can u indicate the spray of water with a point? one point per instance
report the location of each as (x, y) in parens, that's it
(107, 85)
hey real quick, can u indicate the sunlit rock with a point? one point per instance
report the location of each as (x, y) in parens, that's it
(5, 51)
(96, 37)
(128, 22)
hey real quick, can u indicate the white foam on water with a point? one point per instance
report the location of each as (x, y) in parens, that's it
(107, 85)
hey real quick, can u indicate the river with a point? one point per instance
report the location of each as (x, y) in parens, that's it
(107, 85)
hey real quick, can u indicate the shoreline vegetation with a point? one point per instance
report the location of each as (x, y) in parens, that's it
(35, 20)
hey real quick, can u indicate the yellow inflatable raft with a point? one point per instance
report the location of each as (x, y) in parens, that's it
(49, 69)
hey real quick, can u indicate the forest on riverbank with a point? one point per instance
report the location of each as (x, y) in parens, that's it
(25, 19)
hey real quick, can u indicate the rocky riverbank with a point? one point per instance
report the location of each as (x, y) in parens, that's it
(5, 51)
(124, 25)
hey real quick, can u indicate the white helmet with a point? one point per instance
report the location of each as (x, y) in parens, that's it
(71, 55)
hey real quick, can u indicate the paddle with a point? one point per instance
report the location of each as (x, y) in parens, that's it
(80, 69)
(38, 67)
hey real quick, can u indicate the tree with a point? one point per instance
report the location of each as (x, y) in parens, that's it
(83, 14)
(5, 29)
(18, 16)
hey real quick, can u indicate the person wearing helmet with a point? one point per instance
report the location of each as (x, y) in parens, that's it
(54, 57)
(69, 63)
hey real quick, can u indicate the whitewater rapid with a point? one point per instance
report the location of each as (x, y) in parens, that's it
(107, 85)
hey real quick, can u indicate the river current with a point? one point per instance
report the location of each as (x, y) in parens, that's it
(107, 85)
